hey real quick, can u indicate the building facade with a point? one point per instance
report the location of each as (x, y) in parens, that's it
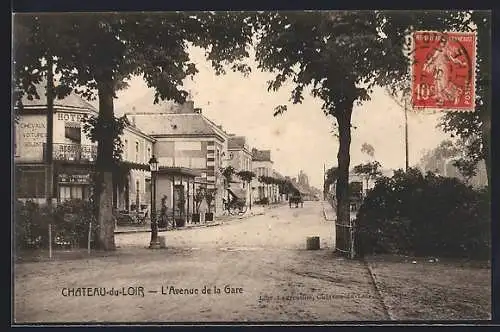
(74, 155)
(262, 165)
(185, 138)
(135, 191)
(240, 158)
(69, 176)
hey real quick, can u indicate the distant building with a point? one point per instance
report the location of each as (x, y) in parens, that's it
(240, 158)
(262, 165)
(303, 179)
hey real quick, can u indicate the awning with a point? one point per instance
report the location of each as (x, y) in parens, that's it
(238, 193)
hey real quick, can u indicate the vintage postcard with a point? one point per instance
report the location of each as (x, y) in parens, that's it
(260, 167)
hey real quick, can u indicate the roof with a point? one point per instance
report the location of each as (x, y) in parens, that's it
(236, 142)
(178, 171)
(261, 155)
(71, 101)
(173, 124)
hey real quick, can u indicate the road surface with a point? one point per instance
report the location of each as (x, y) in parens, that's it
(254, 269)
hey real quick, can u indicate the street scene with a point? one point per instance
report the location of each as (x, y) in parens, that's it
(256, 167)
(265, 256)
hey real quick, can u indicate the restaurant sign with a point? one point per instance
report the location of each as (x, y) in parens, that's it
(75, 178)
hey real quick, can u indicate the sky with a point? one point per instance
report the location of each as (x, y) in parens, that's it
(301, 138)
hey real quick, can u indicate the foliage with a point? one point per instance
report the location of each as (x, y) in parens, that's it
(471, 126)
(69, 222)
(97, 130)
(463, 153)
(198, 199)
(210, 197)
(267, 179)
(246, 176)
(369, 171)
(95, 54)
(31, 225)
(426, 215)
(368, 149)
(330, 177)
(227, 173)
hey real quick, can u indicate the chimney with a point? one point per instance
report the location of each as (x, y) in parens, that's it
(197, 110)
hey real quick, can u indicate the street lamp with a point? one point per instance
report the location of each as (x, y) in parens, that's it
(153, 166)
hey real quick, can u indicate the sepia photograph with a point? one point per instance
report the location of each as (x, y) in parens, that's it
(222, 167)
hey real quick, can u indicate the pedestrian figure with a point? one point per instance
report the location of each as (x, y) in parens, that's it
(163, 212)
(203, 210)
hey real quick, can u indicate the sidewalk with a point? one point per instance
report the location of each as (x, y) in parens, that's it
(328, 211)
(256, 210)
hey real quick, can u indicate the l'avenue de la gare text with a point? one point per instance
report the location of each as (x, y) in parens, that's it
(208, 290)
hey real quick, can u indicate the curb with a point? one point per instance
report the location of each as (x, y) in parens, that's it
(190, 227)
(325, 214)
(377, 289)
(165, 230)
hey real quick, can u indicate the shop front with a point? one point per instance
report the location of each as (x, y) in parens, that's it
(73, 182)
(175, 188)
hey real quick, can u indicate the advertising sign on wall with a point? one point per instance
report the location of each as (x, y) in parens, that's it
(31, 133)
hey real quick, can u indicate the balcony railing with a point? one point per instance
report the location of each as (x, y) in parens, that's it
(72, 152)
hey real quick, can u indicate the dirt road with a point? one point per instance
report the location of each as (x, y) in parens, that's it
(256, 269)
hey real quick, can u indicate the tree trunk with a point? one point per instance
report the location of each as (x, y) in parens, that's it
(343, 157)
(106, 238)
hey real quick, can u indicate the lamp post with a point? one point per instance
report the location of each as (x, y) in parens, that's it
(155, 243)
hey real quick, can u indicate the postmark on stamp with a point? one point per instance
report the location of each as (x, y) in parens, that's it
(443, 70)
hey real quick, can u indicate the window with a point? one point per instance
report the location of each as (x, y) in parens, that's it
(148, 156)
(147, 185)
(31, 184)
(73, 132)
(136, 152)
(70, 192)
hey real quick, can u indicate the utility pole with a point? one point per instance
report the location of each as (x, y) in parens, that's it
(406, 136)
(49, 144)
(324, 182)
(405, 108)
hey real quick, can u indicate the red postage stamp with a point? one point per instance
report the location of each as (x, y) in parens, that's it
(443, 70)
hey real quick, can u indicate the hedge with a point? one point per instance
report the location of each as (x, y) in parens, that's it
(429, 215)
(69, 224)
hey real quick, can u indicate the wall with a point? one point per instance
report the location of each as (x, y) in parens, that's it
(30, 135)
(129, 139)
(261, 168)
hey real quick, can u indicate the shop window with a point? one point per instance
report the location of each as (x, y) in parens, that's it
(73, 132)
(31, 184)
(67, 193)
